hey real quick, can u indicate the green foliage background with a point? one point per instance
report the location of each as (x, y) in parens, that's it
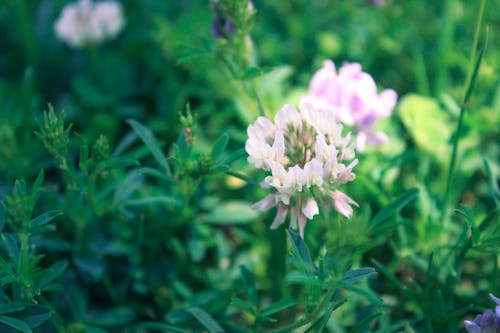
(141, 219)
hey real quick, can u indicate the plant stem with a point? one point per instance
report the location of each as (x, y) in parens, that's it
(471, 76)
(308, 317)
(23, 267)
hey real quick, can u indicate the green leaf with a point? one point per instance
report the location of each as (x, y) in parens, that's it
(323, 320)
(113, 317)
(160, 327)
(427, 124)
(302, 278)
(278, 306)
(35, 315)
(233, 156)
(250, 286)
(196, 246)
(359, 327)
(301, 251)
(206, 320)
(53, 273)
(493, 182)
(177, 316)
(8, 308)
(15, 323)
(117, 162)
(151, 142)
(394, 206)
(355, 275)
(45, 218)
(35, 192)
(466, 213)
(219, 148)
(232, 212)
(154, 200)
(238, 302)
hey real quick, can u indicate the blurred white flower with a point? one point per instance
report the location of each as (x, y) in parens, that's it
(307, 156)
(350, 96)
(85, 23)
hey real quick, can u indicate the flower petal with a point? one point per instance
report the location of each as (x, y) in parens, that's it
(310, 208)
(495, 299)
(280, 216)
(342, 203)
(472, 327)
(266, 203)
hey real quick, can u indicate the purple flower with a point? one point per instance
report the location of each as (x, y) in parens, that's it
(351, 95)
(223, 27)
(488, 322)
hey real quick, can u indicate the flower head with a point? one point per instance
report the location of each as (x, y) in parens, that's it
(307, 157)
(85, 23)
(223, 26)
(350, 96)
(488, 322)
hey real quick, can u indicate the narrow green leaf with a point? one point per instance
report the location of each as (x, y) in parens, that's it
(359, 327)
(160, 327)
(150, 141)
(491, 217)
(6, 267)
(355, 275)
(493, 182)
(53, 273)
(238, 302)
(117, 162)
(113, 317)
(302, 278)
(35, 192)
(233, 156)
(156, 200)
(35, 315)
(323, 320)
(45, 218)
(15, 323)
(177, 316)
(232, 212)
(206, 320)
(300, 250)
(278, 306)
(219, 148)
(250, 286)
(398, 203)
(8, 308)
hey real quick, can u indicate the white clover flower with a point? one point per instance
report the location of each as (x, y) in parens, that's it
(307, 158)
(350, 96)
(85, 23)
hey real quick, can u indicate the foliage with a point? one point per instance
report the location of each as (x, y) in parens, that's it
(126, 204)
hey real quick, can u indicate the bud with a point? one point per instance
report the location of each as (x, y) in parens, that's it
(54, 135)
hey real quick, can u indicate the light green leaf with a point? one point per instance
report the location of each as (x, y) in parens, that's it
(206, 320)
(232, 212)
(355, 275)
(150, 141)
(389, 210)
(278, 306)
(428, 125)
(45, 218)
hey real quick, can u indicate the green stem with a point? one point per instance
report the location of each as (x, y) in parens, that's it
(24, 23)
(257, 98)
(308, 317)
(444, 42)
(471, 76)
(23, 267)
